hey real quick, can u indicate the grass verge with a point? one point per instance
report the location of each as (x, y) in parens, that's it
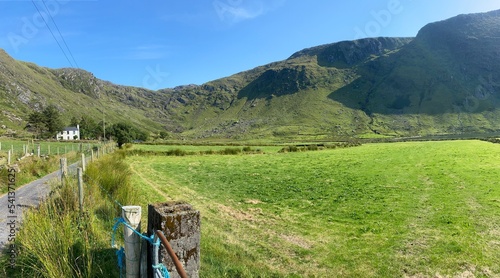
(57, 240)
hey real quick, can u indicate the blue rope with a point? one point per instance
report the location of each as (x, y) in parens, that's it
(163, 269)
(120, 254)
(120, 220)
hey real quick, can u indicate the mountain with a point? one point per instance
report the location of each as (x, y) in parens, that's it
(443, 81)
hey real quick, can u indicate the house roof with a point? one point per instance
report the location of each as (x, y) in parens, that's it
(70, 128)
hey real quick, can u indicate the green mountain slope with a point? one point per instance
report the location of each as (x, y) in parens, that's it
(445, 80)
(25, 87)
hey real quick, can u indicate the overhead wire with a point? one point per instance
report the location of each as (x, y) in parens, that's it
(62, 37)
(46, 24)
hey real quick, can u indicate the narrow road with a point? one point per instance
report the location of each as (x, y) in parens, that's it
(26, 196)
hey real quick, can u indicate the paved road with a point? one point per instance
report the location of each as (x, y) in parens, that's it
(28, 195)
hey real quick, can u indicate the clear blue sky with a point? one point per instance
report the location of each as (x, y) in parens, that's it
(163, 43)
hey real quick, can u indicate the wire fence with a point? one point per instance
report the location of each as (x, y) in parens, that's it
(159, 269)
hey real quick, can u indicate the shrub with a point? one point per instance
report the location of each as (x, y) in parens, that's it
(230, 151)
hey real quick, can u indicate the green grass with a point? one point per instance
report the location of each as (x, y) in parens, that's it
(379, 210)
(196, 148)
(34, 167)
(56, 240)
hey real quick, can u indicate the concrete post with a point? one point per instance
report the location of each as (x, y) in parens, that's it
(9, 157)
(132, 214)
(80, 188)
(38, 150)
(180, 224)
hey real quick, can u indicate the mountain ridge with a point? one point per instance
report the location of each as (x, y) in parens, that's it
(444, 80)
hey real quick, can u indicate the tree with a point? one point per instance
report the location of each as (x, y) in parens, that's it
(89, 128)
(47, 122)
(126, 133)
(36, 122)
(52, 120)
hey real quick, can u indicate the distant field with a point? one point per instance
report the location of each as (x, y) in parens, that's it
(191, 148)
(416, 209)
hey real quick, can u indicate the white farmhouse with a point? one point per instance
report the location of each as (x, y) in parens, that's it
(69, 133)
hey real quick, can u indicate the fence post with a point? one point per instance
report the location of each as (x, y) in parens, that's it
(48, 149)
(132, 214)
(38, 150)
(64, 169)
(80, 188)
(8, 157)
(83, 162)
(180, 224)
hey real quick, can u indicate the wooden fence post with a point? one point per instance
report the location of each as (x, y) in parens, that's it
(91, 155)
(38, 150)
(180, 224)
(83, 162)
(64, 169)
(8, 157)
(48, 149)
(132, 215)
(80, 188)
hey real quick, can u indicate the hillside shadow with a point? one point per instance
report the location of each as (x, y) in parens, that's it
(276, 82)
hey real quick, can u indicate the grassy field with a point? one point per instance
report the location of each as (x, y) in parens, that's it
(191, 148)
(416, 209)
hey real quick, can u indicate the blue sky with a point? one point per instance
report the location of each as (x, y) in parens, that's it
(163, 43)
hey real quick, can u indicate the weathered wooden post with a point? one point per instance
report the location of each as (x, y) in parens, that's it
(132, 214)
(83, 162)
(180, 224)
(38, 150)
(64, 169)
(91, 155)
(98, 153)
(8, 157)
(79, 172)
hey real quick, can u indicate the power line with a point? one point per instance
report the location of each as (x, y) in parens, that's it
(53, 21)
(32, 1)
